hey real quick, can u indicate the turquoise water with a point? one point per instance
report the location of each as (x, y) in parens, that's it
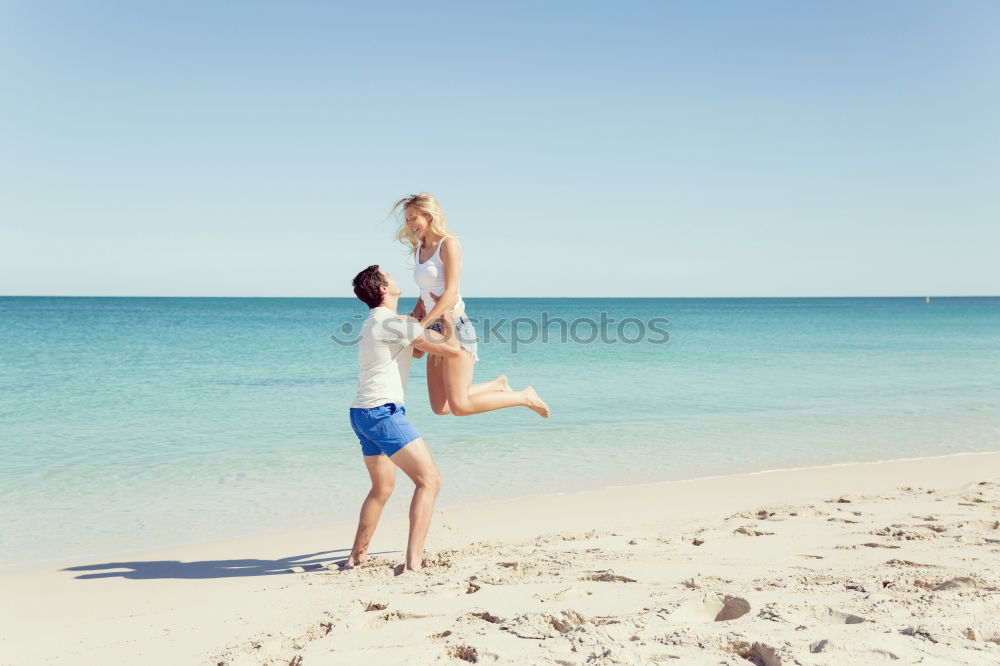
(136, 423)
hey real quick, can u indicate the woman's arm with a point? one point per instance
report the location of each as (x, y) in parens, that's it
(451, 257)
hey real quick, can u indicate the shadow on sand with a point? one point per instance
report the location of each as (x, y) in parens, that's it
(211, 568)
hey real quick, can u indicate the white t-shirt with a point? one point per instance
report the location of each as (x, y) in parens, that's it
(384, 354)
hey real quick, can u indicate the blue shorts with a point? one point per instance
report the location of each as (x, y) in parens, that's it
(383, 429)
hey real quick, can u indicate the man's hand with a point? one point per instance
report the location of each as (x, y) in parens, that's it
(418, 310)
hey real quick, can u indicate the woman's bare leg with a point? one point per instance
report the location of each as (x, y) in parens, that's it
(435, 386)
(438, 395)
(457, 375)
(498, 384)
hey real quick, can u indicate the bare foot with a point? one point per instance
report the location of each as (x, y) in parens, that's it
(502, 383)
(401, 569)
(353, 561)
(535, 403)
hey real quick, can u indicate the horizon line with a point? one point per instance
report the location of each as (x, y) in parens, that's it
(917, 296)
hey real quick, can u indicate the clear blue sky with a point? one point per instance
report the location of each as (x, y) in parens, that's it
(579, 148)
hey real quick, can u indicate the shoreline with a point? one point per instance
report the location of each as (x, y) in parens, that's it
(154, 547)
(190, 604)
(160, 545)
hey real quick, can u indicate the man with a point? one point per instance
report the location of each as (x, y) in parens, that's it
(388, 439)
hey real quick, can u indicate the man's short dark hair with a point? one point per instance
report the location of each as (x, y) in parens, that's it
(367, 286)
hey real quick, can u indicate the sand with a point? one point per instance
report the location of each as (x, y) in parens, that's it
(852, 564)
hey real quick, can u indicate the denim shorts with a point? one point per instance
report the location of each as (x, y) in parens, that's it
(466, 336)
(383, 429)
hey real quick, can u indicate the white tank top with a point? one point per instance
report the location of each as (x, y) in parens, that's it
(429, 276)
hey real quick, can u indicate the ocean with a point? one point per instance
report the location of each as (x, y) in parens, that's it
(134, 424)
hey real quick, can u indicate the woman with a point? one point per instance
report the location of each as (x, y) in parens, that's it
(438, 267)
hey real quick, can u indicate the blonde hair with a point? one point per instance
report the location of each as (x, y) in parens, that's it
(423, 203)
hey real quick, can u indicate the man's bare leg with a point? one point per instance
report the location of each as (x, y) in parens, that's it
(383, 476)
(416, 461)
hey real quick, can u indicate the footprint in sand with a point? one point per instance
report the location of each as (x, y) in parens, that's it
(937, 529)
(393, 616)
(899, 534)
(756, 653)
(607, 577)
(919, 632)
(771, 613)
(749, 530)
(986, 635)
(815, 580)
(699, 582)
(271, 645)
(760, 514)
(508, 573)
(831, 616)
(443, 559)
(438, 636)
(464, 652)
(539, 626)
(486, 616)
(852, 653)
(843, 499)
(908, 563)
(872, 544)
(984, 525)
(958, 584)
(712, 609)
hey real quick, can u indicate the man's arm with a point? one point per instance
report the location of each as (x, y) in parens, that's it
(430, 342)
(418, 314)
